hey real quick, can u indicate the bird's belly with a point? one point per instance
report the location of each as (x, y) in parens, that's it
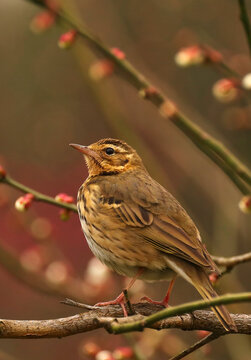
(123, 260)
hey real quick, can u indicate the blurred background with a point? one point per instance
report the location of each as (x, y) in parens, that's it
(48, 99)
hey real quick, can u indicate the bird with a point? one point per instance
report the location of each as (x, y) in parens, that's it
(137, 228)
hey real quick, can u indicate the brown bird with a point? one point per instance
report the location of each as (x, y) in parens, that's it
(137, 228)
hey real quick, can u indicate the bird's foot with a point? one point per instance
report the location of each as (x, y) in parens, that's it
(120, 300)
(149, 300)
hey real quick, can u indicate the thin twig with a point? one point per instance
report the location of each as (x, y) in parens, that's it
(37, 195)
(195, 346)
(245, 21)
(230, 262)
(134, 77)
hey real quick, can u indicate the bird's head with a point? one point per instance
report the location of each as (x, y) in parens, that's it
(109, 156)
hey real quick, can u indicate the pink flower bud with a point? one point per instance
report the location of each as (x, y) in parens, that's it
(104, 355)
(90, 349)
(42, 21)
(245, 204)
(101, 69)
(64, 198)
(24, 202)
(118, 53)
(226, 90)
(193, 55)
(147, 93)
(64, 214)
(197, 55)
(213, 277)
(67, 39)
(167, 109)
(2, 173)
(123, 353)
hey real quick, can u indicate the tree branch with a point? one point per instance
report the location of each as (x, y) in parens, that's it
(108, 316)
(37, 195)
(245, 21)
(206, 143)
(196, 346)
(230, 262)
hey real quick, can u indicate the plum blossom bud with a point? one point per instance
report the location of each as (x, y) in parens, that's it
(24, 202)
(226, 90)
(123, 353)
(196, 55)
(64, 198)
(213, 277)
(104, 355)
(245, 204)
(56, 272)
(101, 69)
(64, 214)
(147, 92)
(67, 39)
(42, 21)
(2, 173)
(193, 55)
(168, 109)
(89, 349)
(118, 53)
(246, 81)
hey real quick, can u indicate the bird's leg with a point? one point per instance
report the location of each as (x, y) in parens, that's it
(165, 301)
(121, 298)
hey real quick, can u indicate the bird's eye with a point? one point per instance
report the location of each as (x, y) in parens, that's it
(109, 151)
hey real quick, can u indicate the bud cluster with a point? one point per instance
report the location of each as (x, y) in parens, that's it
(196, 55)
(24, 202)
(64, 198)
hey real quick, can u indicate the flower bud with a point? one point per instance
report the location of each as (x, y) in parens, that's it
(89, 349)
(64, 214)
(226, 90)
(104, 355)
(188, 56)
(2, 173)
(123, 353)
(42, 22)
(24, 202)
(202, 333)
(245, 204)
(67, 39)
(101, 69)
(246, 81)
(118, 53)
(167, 109)
(147, 92)
(64, 198)
(213, 277)
(197, 55)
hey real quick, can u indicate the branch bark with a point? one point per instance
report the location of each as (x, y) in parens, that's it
(245, 22)
(103, 318)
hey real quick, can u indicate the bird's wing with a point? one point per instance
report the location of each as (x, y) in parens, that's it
(160, 230)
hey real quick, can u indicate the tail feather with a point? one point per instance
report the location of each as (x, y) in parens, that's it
(204, 287)
(200, 280)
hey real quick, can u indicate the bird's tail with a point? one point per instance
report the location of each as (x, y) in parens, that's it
(200, 280)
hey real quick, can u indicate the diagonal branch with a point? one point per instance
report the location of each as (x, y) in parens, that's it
(213, 148)
(37, 195)
(245, 21)
(196, 346)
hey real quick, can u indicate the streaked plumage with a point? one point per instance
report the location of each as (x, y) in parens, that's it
(131, 222)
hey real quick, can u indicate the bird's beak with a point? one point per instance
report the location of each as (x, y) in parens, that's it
(85, 150)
